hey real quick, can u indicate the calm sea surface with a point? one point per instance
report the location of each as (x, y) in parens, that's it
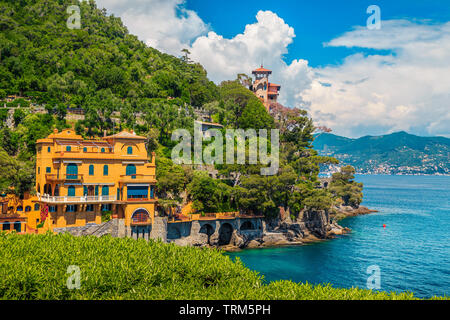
(413, 252)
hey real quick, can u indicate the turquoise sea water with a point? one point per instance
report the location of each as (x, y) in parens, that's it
(412, 252)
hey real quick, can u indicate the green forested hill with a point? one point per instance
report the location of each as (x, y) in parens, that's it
(101, 62)
(397, 152)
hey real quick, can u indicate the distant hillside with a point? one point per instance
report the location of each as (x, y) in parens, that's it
(393, 153)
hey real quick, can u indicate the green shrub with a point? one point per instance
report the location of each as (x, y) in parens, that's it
(35, 267)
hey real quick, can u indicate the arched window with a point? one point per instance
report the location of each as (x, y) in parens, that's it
(131, 171)
(103, 150)
(105, 170)
(130, 150)
(140, 216)
(19, 208)
(105, 191)
(49, 149)
(68, 148)
(84, 149)
(91, 170)
(27, 209)
(72, 171)
(36, 207)
(71, 191)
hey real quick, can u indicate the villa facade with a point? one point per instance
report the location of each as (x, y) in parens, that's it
(78, 181)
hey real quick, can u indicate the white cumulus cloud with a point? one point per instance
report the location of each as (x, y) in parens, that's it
(162, 24)
(407, 88)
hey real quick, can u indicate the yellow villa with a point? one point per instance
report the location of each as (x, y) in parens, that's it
(21, 214)
(78, 181)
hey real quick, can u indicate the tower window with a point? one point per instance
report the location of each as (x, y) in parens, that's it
(130, 150)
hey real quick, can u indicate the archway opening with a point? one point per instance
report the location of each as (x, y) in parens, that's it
(140, 216)
(247, 225)
(208, 230)
(225, 233)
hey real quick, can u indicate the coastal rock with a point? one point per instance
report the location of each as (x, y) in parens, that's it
(274, 238)
(253, 244)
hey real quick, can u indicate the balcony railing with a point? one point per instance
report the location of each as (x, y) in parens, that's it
(64, 177)
(138, 177)
(71, 199)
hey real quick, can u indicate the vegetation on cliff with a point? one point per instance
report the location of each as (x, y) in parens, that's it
(345, 188)
(36, 267)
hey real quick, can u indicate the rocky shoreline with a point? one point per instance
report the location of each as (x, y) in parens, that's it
(310, 227)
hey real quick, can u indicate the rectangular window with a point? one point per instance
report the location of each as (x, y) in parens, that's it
(52, 209)
(138, 192)
(106, 207)
(90, 208)
(48, 170)
(49, 149)
(71, 208)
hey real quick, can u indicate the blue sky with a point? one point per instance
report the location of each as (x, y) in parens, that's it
(350, 78)
(315, 22)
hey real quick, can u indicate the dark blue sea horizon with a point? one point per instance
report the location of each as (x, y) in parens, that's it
(412, 252)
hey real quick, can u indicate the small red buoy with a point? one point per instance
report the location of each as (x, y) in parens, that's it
(384, 226)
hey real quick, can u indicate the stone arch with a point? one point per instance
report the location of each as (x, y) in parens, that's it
(140, 215)
(207, 229)
(247, 225)
(225, 234)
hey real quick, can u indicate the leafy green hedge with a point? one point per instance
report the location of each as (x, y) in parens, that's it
(35, 267)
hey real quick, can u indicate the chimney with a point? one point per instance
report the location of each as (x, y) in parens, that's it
(104, 133)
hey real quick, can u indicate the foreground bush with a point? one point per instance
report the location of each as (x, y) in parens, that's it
(35, 267)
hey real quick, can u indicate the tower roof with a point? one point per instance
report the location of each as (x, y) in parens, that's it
(262, 70)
